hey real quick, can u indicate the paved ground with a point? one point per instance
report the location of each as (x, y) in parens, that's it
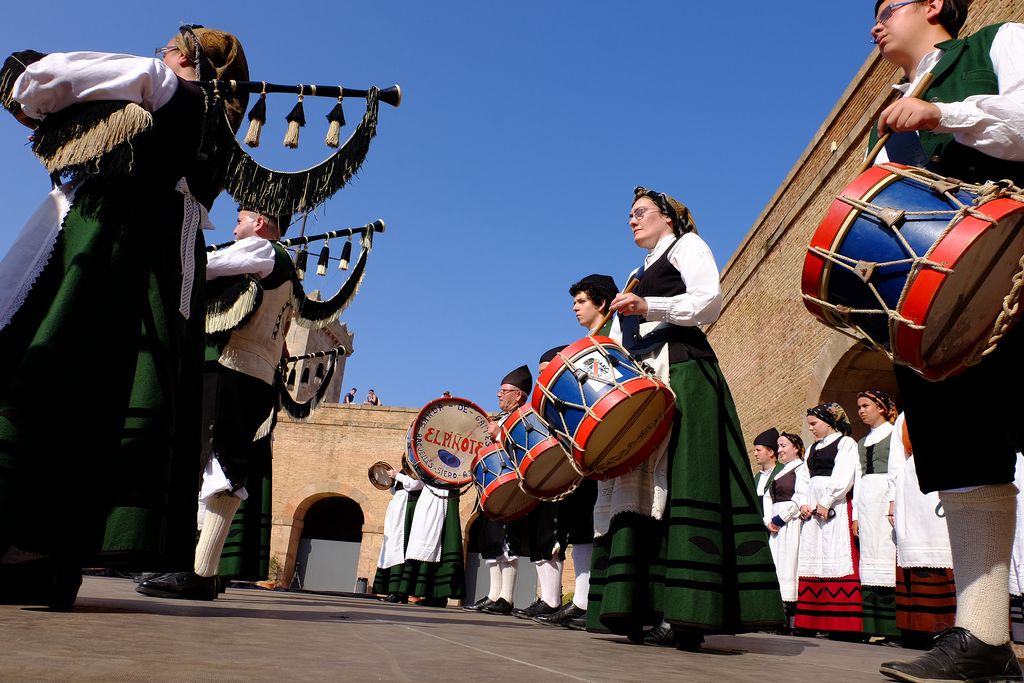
(114, 634)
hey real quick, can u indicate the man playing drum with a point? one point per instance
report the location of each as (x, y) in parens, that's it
(501, 543)
(970, 124)
(591, 298)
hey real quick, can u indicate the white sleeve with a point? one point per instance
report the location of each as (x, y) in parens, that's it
(844, 474)
(994, 124)
(61, 79)
(701, 304)
(249, 256)
(766, 507)
(897, 459)
(803, 486)
(408, 483)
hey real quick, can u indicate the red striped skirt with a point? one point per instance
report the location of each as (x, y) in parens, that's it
(832, 604)
(925, 599)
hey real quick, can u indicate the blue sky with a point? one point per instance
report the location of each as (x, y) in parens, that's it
(507, 173)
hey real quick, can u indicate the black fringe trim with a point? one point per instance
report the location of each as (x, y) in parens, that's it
(267, 191)
(309, 312)
(302, 411)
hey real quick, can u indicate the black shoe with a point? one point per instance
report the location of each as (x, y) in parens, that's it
(538, 608)
(569, 611)
(183, 585)
(433, 602)
(479, 604)
(44, 581)
(660, 636)
(957, 655)
(499, 606)
(577, 624)
(395, 597)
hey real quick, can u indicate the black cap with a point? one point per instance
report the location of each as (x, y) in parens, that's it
(550, 354)
(520, 378)
(768, 438)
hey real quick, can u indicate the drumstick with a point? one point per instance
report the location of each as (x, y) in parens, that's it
(922, 85)
(608, 316)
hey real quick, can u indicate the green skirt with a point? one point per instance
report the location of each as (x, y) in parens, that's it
(388, 580)
(246, 553)
(706, 567)
(100, 391)
(443, 579)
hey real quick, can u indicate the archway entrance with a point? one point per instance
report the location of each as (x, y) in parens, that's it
(328, 553)
(858, 369)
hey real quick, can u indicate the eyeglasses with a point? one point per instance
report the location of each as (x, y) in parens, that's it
(161, 52)
(506, 391)
(641, 211)
(889, 9)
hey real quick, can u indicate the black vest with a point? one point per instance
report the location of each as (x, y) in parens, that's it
(685, 342)
(783, 487)
(822, 459)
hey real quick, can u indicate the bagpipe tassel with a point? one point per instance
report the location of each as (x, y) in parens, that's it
(296, 118)
(300, 263)
(346, 255)
(257, 117)
(336, 119)
(325, 258)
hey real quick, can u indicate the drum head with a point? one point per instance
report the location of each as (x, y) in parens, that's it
(633, 421)
(962, 306)
(378, 474)
(443, 439)
(504, 500)
(547, 471)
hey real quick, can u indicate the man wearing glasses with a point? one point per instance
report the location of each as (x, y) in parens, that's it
(501, 543)
(969, 124)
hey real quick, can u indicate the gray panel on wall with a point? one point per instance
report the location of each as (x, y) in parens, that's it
(328, 565)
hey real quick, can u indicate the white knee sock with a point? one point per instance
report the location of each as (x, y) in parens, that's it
(508, 578)
(495, 575)
(220, 509)
(549, 573)
(981, 527)
(581, 554)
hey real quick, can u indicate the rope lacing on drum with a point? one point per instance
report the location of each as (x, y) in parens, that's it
(526, 449)
(894, 219)
(582, 376)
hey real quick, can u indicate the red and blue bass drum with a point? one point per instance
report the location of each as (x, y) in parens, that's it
(545, 469)
(916, 264)
(497, 482)
(443, 440)
(602, 404)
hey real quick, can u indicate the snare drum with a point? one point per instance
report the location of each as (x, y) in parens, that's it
(612, 412)
(497, 481)
(545, 468)
(898, 262)
(443, 439)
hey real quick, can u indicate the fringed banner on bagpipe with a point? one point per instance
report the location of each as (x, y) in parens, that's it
(265, 190)
(285, 379)
(231, 307)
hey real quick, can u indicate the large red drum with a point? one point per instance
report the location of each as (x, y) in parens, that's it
(612, 412)
(916, 264)
(443, 440)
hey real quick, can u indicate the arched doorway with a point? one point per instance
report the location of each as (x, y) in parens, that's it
(328, 553)
(858, 369)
